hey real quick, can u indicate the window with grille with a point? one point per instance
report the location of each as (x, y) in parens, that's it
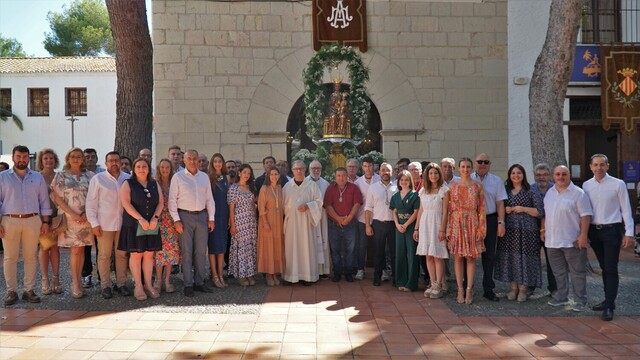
(38, 102)
(607, 21)
(76, 102)
(5, 100)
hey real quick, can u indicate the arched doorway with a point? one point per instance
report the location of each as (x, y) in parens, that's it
(298, 138)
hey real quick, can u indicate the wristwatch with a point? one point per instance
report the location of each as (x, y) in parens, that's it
(500, 222)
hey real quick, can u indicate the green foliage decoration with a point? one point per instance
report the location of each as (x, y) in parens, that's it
(314, 99)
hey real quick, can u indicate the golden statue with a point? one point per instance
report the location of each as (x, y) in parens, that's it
(337, 123)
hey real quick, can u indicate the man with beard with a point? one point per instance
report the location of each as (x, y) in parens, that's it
(302, 213)
(104, 213)
(232, 168)
(322, 231)
(268, 162)
(25, 213)
(379, 220)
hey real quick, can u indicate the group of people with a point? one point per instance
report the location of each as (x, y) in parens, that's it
(303, 228)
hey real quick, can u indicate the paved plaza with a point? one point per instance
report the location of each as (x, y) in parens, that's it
(329, 320)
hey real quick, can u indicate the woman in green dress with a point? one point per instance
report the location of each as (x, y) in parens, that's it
(405, 205)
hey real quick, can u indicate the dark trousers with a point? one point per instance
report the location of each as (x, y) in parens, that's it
(87, 267)
(384, 233)
(361, 246)
(606, 243)
(489, 256)
(342, 241)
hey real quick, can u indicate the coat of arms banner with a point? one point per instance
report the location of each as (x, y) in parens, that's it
(620, 87)
(340, 21)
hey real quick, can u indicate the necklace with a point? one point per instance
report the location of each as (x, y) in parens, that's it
(275, 195)
(341, 192)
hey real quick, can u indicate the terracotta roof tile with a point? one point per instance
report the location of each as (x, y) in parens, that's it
(57, 64)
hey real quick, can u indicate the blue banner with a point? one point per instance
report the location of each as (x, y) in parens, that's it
(631, 172)
(586, 64)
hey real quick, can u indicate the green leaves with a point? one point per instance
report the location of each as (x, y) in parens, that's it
(10, 47)
(81, 30)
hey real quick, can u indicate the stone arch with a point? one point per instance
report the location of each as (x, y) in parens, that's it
(282, 85)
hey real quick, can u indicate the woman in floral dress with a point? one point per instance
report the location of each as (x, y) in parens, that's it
(170, 253)
(243, 227)
(467, 227)
(518, 253)
(70, 188)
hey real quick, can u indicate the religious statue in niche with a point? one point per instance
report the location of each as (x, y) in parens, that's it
(337, 121)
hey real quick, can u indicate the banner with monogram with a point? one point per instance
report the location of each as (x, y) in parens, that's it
(339, 21)
(620, 87)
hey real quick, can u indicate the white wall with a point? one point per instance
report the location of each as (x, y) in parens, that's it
(527, 29)
(96, 130)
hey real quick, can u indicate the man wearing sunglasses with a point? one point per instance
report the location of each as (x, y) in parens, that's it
(494, 196)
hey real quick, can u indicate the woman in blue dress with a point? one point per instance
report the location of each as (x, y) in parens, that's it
(218, 238)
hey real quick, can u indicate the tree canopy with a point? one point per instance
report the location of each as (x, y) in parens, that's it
(82, 29)
(10, 47)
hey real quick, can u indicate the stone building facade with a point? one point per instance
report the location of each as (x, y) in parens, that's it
(227, 75)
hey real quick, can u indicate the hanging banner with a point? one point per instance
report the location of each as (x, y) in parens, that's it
(586, 65)
(620, 87)
(339, 21)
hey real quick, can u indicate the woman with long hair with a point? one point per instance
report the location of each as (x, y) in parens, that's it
(142, 201)
(467, 227)
(70, 188)
(405, 204)
(170, 253)
(430, 231)
(243, 227)
(518, 253)
(219, 237)
(46, 163)
(270, 227)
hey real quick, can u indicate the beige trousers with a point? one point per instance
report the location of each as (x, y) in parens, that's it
(25, 232)
(107, 245)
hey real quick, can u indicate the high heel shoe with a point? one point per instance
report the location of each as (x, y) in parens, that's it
(469, 298)
(460, 299)
(46, 287)
(436, 293)
(77, 292)
(216, 282)
(56, 285)
(222, 282)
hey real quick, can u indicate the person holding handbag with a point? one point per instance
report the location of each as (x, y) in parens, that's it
(142, 201)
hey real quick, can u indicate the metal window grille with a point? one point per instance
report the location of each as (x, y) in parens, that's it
(76, 102)
(607, 21)
(5, 100)
(38, 102)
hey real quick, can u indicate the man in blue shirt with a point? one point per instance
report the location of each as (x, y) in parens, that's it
(25, 212)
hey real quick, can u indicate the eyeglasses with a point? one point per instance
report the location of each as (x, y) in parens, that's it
(296, 169)
(148, 193)
(483, 162)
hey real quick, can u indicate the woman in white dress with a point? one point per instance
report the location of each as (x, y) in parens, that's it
(432, 224)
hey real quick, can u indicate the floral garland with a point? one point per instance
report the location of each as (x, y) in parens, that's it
(314, 99)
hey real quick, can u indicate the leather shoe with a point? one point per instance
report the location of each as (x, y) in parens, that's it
(491, 296)
(336, 277)
(598, 307)
(348, 277)
(11, 298)
(106, 293)
(122, 290)
(31, 297)
(607, 315)
(376, 282)
(188, 291)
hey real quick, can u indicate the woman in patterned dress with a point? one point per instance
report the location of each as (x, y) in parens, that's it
(218, 238)
(430, 231)
(467, 227)
(518, 254)
(46, 163)
(270, 227)
(243, 227)
(405, 204)
(142, 201)
(70, 188)
(170, 253)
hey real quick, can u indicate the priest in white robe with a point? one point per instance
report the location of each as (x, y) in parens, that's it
(302, 213)
(321, 231)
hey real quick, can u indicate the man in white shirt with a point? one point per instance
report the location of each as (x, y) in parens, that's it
(448, 165)
(379, 220)
(146, 154)
(494, 196)
(567, 213)
(190, 201)
(365, 181)
(353, 166)
(612, 222)
(322, 230)
(104, 213)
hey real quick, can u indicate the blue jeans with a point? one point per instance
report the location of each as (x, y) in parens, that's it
(606, 243)
(343, 243)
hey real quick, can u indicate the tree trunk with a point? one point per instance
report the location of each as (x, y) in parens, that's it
(549, 83)
(134, 67)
